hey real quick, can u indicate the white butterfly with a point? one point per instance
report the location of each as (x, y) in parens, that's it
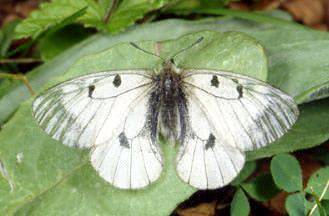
(214, 116)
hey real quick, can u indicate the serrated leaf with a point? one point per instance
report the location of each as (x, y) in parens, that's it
(247, 170)
(52, 14)
(261, 188)
(319, 182)
(55, 179)
(96, 15)
(286, 172)
(240, 204)
(131, 10)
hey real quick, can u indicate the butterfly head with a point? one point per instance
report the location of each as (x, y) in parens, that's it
(169, 65)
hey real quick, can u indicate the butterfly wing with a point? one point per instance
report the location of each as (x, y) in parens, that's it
(108, 112)
(228, 114)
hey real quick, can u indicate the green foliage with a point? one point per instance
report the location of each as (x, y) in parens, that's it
(87, 12)
(240, 204)
(57, 42)
(6, 37)
(53, 178)
(56, 14)
(261, 188)
(287, 173)
(319, 181)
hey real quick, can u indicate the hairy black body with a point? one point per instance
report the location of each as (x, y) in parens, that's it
(167, 105)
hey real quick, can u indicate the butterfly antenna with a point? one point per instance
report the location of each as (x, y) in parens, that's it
(186, 48)
(145, 51)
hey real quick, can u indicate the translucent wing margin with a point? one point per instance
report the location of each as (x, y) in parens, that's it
(108, 112)
(246, 113)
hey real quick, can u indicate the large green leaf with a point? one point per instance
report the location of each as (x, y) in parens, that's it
(295, 69)
(51, 178)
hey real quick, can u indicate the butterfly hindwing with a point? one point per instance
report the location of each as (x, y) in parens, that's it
(131, 159)
(108, 112)
(204, 160)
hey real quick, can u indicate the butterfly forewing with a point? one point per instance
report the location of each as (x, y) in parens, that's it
(108, 112)
(245, 112)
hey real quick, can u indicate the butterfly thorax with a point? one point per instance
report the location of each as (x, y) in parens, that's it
(171, 103)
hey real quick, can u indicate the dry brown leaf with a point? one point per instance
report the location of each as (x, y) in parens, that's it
(239, 6)
(11, 10)
(267, 5)
(277, 203)
(203, 209)
(310, 12)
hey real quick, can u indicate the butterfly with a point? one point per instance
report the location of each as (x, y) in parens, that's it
(213, 116)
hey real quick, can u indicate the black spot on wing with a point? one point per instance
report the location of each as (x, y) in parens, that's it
(117, 80)
(239, 88)
(211, 141)
(123, 140)
(214, 81)
(91, 89)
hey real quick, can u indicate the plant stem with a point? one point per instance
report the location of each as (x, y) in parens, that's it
(20, 61)
(20, 77)
(320, 198)
(110, 11)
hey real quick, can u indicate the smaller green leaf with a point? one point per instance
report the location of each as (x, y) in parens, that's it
(128, 11)
(240, 204)
(287, 173)
(319, 182)
(247, 170)
(261, 188)
(296, 204)
(6, 37)
(58, 13)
